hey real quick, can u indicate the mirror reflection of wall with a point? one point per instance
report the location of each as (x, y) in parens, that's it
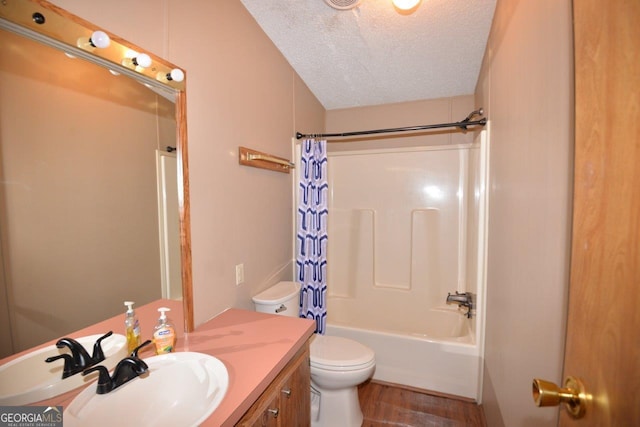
(78, 201)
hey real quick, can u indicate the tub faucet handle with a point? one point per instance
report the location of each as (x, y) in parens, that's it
(463, 299)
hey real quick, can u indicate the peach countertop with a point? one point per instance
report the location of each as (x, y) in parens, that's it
(253, 346)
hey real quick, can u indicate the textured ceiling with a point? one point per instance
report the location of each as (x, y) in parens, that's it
(374, 55)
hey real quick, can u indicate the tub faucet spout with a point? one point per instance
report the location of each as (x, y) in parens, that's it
(464, 299)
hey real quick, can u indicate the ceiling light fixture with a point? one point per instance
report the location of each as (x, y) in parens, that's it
(405, 4)
(343, 4)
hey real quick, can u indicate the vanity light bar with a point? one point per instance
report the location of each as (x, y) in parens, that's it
(49, 24)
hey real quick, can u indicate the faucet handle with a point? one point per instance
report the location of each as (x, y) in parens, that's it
(69, 366)
(134, 353)
(98, 354)
(81, 358)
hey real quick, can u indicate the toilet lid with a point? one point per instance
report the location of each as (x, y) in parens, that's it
(330, 352)
(278, 293)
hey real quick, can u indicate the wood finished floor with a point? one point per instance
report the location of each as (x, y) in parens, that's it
(386, 405)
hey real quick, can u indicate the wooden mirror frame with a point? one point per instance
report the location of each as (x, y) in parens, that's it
(54, 26)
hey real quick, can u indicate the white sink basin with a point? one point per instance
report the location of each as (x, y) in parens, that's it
(30, 379)
(179, 389)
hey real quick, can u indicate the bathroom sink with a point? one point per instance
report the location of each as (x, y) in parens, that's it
(179, 389)
(28, 379)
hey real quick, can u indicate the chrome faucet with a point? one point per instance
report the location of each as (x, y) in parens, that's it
(464, 299)
(79, 359)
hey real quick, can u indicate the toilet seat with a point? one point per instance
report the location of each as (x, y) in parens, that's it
(339, 354)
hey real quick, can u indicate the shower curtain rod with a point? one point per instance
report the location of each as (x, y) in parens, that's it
(463, 124)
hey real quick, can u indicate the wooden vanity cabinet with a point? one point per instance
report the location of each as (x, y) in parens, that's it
(287, 400)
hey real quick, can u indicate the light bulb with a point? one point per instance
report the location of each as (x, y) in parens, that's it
(100, 39)
(405, 4)
(177, 75)
(143, 60)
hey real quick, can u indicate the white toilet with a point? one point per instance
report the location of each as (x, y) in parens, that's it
(338, 365)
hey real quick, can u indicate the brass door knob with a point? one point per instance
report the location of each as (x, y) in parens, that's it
(546, 393)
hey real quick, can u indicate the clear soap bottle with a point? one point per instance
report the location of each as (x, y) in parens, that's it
(132, 327)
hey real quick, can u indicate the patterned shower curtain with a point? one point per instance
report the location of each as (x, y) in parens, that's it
(312, 232)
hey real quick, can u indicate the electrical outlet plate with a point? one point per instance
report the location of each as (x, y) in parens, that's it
(239, 274)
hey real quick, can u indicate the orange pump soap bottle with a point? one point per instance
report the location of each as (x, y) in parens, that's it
(164, 335)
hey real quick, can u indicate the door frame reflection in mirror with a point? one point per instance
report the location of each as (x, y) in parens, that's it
(51, 25)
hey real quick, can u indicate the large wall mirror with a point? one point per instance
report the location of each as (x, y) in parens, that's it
(94, 206)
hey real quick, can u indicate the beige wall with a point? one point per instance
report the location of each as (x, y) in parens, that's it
(526, 88)
(240, 92)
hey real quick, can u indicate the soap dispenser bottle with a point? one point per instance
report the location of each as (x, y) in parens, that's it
(164, 335)
(132, 327)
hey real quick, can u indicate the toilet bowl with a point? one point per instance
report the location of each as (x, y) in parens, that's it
(338, 365)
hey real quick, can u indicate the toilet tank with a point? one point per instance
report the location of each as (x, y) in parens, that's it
(283, 298)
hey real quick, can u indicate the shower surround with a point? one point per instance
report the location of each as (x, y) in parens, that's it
(406, 227)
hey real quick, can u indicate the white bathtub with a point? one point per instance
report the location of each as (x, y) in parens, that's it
(440, 355)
